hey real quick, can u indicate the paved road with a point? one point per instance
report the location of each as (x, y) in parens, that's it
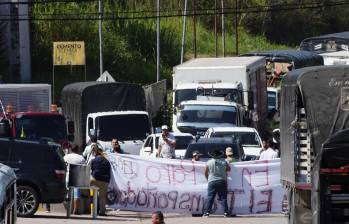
(144, 218)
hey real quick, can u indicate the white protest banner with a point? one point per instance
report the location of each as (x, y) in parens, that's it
(142, 184)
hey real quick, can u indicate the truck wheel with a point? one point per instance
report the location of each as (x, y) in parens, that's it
(27, 201)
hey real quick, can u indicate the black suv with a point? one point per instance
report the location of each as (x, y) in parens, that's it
(206, 146)
(40, 172)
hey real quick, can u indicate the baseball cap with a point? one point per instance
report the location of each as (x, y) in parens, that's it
(164, 127)
(196, 153)
(229, 151)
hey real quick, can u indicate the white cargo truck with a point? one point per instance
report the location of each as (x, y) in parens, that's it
(196, 116)
(240, 79)
(129, 127)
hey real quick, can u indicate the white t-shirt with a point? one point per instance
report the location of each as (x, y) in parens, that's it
(268, 154)
(167, 151)
(74, 158)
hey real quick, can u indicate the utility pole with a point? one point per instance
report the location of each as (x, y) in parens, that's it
(157, 40)
(236, 29)
(194, 28)
(223, 29)
(215, 27)
(100, 37)
(184, 30)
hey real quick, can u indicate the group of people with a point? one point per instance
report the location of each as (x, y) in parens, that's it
(216, 169)
(93, 155)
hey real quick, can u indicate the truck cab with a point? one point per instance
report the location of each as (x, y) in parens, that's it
(130, 128)
(196, 116)
(38, 125)
(189, 91)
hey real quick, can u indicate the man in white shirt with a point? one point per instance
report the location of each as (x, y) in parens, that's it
(167, 144)
(270, 153)
(74, 158)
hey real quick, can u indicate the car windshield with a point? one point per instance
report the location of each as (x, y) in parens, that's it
(123, 127)
(182, 142)
(206, 150)
(36, 127)
(245, 138)
(184, 95)
(190, 94)
(271, 100)
(232, 94)
(208, 114)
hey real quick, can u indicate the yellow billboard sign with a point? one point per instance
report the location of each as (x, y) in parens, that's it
(69, 53)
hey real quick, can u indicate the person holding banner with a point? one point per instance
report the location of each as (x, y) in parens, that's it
(167, 144)
(100, 176)
(216, 173)
(230, 156)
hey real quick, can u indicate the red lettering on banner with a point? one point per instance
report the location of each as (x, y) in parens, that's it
(266, 171)
(251, 201)
(232, 199)
(269, 194)
(157, 179)
(128, 167)
(249, 173)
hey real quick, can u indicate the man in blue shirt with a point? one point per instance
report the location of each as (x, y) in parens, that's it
(216, 173)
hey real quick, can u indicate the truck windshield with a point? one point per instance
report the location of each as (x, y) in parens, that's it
(245, 138)
(184, 95)
(208, 114)
(123, 127)
(233, 95)
(36, 127)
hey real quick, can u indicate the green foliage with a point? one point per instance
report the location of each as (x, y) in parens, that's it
(291, 27)
(129, 46)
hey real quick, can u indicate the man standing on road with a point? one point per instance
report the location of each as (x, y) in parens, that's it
(216, 173)
(270, 153)
(74, 158)
(167, 144)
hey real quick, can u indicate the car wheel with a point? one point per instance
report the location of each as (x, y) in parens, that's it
(27, 201)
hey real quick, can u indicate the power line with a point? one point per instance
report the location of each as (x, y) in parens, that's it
(115, 16)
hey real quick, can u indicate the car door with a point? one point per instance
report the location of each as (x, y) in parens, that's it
(145, 145)
(5, 149)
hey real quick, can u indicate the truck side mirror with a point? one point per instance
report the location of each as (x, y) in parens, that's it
(71, 129)
(92, 132)
(250, 100)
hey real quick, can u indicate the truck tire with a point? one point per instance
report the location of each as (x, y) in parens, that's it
(299, 207)
(27, 201)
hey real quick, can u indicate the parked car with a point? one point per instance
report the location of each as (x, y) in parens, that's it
(40, 172)
(7, 195)
(248, 138)
(150, 145)
(206, 146)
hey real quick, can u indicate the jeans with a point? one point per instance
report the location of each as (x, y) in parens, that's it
(214, 187)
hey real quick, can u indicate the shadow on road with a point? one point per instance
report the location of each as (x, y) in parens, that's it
(111, 218)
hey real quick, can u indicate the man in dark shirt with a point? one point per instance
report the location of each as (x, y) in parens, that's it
(100, 168)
